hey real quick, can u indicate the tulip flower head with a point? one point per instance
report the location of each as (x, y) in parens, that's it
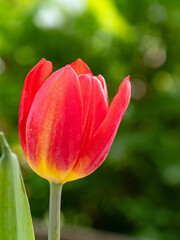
(66, 126)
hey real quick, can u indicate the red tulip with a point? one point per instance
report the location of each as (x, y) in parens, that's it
(66, 126)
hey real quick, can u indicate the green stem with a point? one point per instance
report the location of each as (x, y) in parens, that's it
(54, 211)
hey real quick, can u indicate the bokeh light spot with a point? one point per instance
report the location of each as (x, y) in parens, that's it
(139, 88)
(172, 174)
(71, 6)
(49, 16)
(155, 57)
(164, 82)
(157, 13)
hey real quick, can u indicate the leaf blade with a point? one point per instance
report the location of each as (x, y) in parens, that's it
(15, 216)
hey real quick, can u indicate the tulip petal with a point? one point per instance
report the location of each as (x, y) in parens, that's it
(103, 82)
(86, 88)
(54, 126)
(33, 82)
(92, 155)
(97, 110)
(80, 67)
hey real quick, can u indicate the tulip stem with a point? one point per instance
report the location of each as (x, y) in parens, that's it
(54, 211)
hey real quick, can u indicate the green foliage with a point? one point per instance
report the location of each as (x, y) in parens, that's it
(136, 191)
(15, 217)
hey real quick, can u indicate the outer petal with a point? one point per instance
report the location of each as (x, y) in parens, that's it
(80, 67)
(33, 82)
(96, 151)
(54, 126)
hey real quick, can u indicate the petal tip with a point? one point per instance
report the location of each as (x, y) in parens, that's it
(125, 87)
(43, 61)
(79, 60)
(80, 67)
(127, 78)
(68, 67)
(126, 82)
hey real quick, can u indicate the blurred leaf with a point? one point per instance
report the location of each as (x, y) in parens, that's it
(15, 217)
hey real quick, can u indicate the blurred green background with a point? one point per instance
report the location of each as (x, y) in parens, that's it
(137, 189)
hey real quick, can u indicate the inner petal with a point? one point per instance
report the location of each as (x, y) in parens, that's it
(95, 106)
(103, 82)
(80, 67)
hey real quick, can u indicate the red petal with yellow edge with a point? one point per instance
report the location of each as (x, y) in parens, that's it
(54, 126)
(96, 151)
(33, 82)
(80, 67)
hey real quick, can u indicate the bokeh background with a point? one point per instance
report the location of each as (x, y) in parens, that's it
(137, 189)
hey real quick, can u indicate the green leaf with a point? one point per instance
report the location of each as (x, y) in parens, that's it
(15, 216)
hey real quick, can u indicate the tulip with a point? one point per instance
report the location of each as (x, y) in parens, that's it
(66, 126)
